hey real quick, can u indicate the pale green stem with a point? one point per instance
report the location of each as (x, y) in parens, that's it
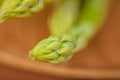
(65, 14)
(90, 21)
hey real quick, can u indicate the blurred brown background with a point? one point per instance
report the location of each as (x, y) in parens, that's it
(18, 36)
(7, 73)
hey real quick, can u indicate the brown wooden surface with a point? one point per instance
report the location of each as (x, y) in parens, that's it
(99, 60)
(7, 73)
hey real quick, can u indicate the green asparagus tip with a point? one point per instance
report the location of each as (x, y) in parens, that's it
(19, 8)
(55, 49)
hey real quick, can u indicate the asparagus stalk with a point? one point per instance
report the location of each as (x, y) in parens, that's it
(60, 48)
(19, 8)
(90, 21)
(64, 16)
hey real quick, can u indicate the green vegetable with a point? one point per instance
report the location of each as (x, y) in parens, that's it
(60, 48)
(92, 17)
(64, 16)
(55, 49)
(19, 8)
(68, 34)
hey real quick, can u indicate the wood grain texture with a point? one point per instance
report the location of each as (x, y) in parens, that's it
(100, 59)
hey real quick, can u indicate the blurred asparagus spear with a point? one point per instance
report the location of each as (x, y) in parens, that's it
(64, 15)
(90, 21)
(19, 8)
(60, 48)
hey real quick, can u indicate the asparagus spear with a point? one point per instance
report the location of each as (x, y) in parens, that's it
(19, 8)
(90, 21)
(64, 16)
(60, 48)
(55, 49)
